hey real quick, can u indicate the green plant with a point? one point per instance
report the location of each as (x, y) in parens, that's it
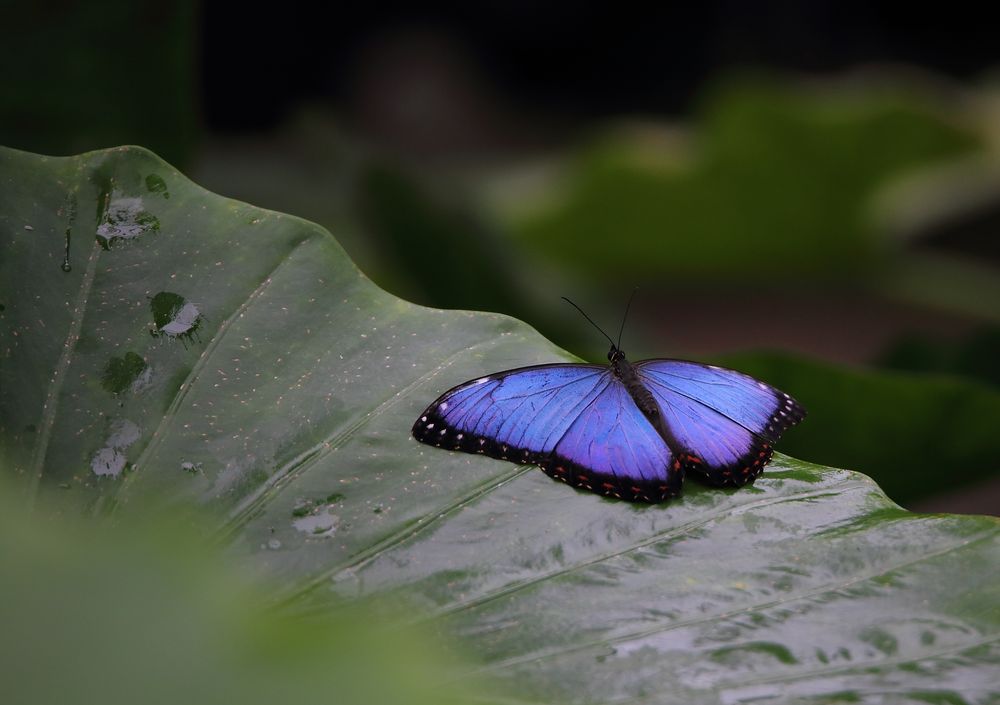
(285, 418)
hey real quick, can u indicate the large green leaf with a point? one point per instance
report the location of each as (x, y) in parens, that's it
(278, 391)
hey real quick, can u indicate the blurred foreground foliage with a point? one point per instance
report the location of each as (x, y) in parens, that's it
(145, 611)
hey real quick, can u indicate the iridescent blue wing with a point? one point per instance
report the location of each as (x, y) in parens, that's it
(577, 422)
(612, 448)
(724, 422)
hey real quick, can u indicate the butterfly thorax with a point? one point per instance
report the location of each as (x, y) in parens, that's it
(642, 397)
(637, 390)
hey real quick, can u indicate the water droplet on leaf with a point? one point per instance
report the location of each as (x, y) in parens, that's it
(111, 459)
(125, 219)
(66, 266)
(318, 522)
(156, 184)
(173, 315)
(121, 373)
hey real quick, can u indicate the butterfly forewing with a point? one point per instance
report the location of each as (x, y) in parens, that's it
(514, 415)
(758, 407)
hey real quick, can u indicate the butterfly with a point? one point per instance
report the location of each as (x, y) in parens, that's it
(624, 430)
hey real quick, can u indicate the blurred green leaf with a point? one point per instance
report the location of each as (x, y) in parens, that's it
(977, 357)
(962, 285)
(779, 179)
(915, 434)
(286, 417)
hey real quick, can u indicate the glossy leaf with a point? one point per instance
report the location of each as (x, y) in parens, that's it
(286, 412)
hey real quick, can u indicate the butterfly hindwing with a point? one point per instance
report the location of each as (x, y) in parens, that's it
(575, 421)
(613, 449)
(725, 421)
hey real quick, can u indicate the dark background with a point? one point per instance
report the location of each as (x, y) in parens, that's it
(576, 60)
(72, 70)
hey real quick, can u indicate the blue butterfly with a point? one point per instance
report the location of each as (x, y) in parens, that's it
(626, 431)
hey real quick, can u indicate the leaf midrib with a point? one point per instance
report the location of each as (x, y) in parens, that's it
(52, 395)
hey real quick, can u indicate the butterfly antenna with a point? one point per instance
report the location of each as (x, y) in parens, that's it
(588, 319)
(627, 307)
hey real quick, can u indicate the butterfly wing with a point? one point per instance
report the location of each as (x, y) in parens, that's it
(613, 449)
(575, 421)
(726, 422)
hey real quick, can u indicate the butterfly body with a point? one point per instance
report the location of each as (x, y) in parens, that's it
(640, 394)
(623, 430)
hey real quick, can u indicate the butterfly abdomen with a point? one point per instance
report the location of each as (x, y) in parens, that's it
(643, 399)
